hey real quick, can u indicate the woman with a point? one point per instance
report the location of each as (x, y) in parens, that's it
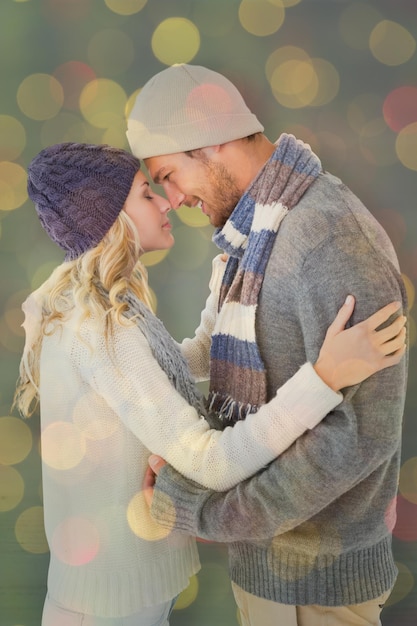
(113, 387)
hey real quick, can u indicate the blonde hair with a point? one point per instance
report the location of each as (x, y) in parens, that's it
(112, 267)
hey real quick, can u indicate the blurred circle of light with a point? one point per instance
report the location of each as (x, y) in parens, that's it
(294, 84)
(263, 17)
(391, 43)
(13, 181)
(362, 109)
(102, 102)
(40, 96)
(188, 595)
(12, 488)
(63, 446)
(404, 584)
(125, 7)
(406, 525)
(410, 289)
(192, 217)
(377, 143)
(281, 55)
(29, 531)
(68, 127)
(85, 541)
(400, 107)
(408, 480)
(175, 40)
(130, 102)
(13, 138)
(406, 146)
(154, 257)
(356, 23)
(290, 3)
(73, 76)
(190, 250)
(110, 52)
(328, 81)
(115, 135)
(141, 522)
(15, 440)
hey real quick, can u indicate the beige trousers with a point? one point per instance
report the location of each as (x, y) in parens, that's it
(254, 611)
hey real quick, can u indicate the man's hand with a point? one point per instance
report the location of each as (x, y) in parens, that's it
(155, 463)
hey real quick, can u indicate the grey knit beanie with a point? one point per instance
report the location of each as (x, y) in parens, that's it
(186, 107)
(78, 191)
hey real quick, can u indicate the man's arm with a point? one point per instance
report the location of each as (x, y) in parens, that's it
(348, 446)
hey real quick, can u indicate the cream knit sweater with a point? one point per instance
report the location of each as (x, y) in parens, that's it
(102, 413)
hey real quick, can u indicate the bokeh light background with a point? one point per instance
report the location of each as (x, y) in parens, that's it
(342, 75)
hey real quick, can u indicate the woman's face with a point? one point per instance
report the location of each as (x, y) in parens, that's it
(149, 212)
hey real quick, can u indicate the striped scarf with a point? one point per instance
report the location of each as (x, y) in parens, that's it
(237, 372)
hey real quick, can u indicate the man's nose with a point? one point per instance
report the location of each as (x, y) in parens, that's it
(176, 198)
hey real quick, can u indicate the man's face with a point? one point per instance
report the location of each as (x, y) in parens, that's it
(196, 181)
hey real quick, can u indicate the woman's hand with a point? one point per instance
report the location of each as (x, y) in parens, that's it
(349, 356)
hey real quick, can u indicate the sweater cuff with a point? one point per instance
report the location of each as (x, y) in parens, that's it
(171, 500)
(308, 396)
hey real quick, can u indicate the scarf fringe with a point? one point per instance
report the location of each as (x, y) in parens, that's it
(227, 409)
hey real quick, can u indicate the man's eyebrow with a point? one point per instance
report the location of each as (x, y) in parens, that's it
(157, 179)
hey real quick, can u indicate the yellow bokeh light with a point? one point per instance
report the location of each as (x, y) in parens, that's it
(29, 531)
(175, 40)
(130, 103)
(68, 127)
(141, 522)
(153, 258)
(125, 7)
(328, 82)
(295, 84)
(40, 96)
(188, 595)
(410, 289)
(391, 43)
(15, 440)
(12, 488)
(263, 17)
(356, 23)
(406, 146)
(408, 480)
(281, 55)
(63, 446)
(192, 216)
(103, 102)
(13, 181)
(13, 138)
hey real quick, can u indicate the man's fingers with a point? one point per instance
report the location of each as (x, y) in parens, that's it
(149, 479)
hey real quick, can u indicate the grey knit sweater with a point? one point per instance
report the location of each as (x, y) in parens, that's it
(315, 526)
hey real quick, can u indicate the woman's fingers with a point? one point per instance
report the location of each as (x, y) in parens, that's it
(342, 317)
(382, 315)
(391, 331)
(394, 344)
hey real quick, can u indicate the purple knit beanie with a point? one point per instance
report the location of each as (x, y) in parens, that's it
(78, 191)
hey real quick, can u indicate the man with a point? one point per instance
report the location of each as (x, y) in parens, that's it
(310, 536)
